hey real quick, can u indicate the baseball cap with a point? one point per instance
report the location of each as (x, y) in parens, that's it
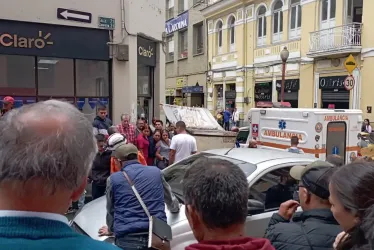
(315, 177)
(124, 150)
(115, 140)
(8, 99)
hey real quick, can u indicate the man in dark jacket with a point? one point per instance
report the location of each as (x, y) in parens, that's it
(216, 196)
(126, 218)
(314, 228)
(100, 168)
(101, 122)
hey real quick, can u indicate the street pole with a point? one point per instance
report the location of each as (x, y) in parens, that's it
(284, 56)
(283, 80)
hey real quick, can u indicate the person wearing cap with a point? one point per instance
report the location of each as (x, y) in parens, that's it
(126, 219)
(315, 227)
(114, 141)
(8, 103)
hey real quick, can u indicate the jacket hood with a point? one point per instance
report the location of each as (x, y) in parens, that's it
(245, 243)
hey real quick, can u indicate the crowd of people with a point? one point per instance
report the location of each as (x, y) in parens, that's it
(47, 151)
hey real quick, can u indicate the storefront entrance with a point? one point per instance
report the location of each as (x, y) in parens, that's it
(145, 86)
(291, 91)
(333, 93)
(41, 61)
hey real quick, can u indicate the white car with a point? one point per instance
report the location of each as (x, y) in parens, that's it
(263, 167)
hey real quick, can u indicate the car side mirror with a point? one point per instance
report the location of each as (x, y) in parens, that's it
(255, 207)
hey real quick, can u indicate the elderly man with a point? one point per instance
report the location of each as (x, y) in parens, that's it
(127, 129)
(216, 195)
(46, 152)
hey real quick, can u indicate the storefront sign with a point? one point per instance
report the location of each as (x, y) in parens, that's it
(332, 82)
(180, 83)
(35, 39)
(263, 92)
(289, 85)
(92, 102)
(146, 52)
(334, 118)
(281, 134)
(178, 23)
(81, 102)
(193, 89)
(230, 94)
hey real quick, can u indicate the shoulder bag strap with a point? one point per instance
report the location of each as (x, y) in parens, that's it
(136, 194)
(306, 236)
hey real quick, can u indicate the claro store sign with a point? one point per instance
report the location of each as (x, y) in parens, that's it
(146, 51)
(16, 41)
(36, 39)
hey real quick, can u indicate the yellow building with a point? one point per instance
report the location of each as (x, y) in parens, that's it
(245, 38)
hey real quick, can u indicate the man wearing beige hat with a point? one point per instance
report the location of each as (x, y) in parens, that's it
(315, 227)
(126, 218)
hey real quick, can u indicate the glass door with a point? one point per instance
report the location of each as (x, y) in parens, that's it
(328, 13)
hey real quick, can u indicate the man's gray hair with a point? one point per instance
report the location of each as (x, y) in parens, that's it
(123, 116)
(51, 141)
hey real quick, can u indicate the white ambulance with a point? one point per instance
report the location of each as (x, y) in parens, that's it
(321, 132)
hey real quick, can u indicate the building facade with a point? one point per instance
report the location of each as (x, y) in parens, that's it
(186, 58)
(245, 38)
(88, 54)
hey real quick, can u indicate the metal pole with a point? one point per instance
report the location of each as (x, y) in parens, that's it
(283, 80)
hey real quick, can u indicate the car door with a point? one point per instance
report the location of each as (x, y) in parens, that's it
(260, 184)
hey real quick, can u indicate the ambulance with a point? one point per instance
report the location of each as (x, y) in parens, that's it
(321, 132)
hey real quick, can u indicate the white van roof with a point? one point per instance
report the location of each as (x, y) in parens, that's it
(317, 111)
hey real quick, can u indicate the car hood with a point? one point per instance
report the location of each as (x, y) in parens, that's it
(93, 216)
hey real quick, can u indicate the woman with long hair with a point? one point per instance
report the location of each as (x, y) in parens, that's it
(143, 142)
(163, 150)
(352, 200)
(153, 140)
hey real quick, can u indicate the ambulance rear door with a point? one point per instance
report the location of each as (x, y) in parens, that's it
(336, 138)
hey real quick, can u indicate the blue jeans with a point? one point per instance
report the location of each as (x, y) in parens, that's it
(136, 241)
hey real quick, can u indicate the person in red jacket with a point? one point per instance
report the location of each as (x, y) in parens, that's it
(216, 195)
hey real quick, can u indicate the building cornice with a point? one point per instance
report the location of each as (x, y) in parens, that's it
(220, 5)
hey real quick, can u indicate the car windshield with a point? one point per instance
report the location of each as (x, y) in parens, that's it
(174, 175)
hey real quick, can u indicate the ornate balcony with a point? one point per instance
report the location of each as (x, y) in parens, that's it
(344, 39)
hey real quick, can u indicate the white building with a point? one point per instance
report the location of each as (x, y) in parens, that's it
(70, 50)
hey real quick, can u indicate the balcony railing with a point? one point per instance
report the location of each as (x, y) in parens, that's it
(341, 39)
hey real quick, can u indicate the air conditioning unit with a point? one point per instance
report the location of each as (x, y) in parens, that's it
(121, 52)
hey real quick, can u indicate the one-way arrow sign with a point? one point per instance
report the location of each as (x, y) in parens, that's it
(74, 15)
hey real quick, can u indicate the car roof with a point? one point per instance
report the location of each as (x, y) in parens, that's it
(259, 155)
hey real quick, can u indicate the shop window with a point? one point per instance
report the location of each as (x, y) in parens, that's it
(277, 21)
(295, 21)
(231, 28)
(219, 36)
(170, 48)
(55, 76)
(198, 37)
(17, 75)
(92, 78)
(144, 80)
(261, 26)
(183, 44)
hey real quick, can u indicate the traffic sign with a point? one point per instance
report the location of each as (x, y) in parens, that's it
(350, 64)
(349, 83)
(74, 15)
(107, 23)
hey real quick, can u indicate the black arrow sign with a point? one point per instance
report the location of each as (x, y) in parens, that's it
(74, 15)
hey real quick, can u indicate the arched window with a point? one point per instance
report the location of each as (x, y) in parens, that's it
(231, 27)
(277, 21)
(261, 26)
(219, 36)
(295, 19)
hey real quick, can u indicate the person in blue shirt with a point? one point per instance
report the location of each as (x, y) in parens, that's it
(226, 119)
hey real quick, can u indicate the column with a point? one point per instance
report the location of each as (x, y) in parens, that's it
(316, 91)
(286, 22)
(269, 30)
(274, 92)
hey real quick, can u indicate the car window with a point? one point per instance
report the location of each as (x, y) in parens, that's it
(242, 136)
(174, 175)
(274, 188)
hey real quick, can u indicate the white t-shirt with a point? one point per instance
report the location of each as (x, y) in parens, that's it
(184, 145)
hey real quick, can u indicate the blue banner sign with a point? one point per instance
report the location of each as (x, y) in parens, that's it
(193, 89)
(178, 23)
(81, 102)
